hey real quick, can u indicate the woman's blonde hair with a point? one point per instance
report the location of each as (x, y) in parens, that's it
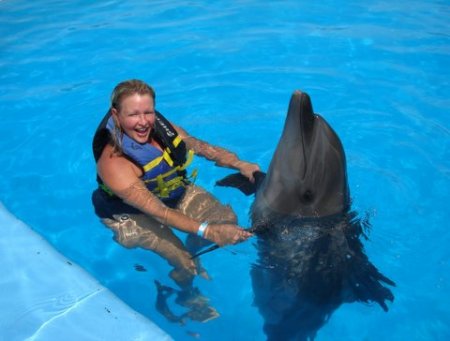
(128, 88)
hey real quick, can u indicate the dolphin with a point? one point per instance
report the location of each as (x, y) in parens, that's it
(310, 255)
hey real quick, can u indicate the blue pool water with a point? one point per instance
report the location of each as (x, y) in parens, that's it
(378, 71)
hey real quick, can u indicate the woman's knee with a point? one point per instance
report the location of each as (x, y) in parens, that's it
(200, 204)
(126, 232)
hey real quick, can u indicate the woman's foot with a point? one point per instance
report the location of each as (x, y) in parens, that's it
(199, 309)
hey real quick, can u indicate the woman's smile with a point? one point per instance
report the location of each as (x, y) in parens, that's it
(136, 117)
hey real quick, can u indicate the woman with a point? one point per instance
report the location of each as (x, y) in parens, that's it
(144, 189)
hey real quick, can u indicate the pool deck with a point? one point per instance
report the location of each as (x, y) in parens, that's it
(45, 296)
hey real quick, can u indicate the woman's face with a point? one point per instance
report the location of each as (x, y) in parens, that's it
(136, 116)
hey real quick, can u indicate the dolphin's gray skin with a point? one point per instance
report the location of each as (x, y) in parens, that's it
(311, 259)
(307, 176)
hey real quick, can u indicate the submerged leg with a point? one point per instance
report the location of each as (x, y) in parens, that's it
(201, 205)
(139, 230)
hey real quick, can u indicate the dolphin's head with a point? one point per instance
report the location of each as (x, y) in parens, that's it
(307, 176)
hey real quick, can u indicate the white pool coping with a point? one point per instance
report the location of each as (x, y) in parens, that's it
(45, 296)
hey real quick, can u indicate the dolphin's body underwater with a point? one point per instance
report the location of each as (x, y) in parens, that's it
(311, 259)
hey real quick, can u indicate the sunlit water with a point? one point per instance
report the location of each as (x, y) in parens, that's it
(378, 71)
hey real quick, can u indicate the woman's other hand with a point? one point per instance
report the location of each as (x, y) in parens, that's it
(223, 234)
(247, 169)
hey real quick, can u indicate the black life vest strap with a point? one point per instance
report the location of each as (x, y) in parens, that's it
(166, 132)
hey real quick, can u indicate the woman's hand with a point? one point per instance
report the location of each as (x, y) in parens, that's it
(223, 234)
(247, 169)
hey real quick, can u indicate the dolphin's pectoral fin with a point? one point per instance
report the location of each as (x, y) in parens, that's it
(237, 180)
(370, 288)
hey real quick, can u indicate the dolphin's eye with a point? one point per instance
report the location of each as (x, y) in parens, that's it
(308, 196)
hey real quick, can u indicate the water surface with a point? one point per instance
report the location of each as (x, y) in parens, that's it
(376, 70)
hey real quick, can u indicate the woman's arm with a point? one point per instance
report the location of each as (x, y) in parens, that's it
(122, 177)
(219, 155)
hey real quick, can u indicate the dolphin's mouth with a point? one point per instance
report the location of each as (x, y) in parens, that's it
(302, 136)
(306, 121)
(306, 118)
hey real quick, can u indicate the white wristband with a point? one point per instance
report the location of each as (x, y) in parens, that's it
(202, 228)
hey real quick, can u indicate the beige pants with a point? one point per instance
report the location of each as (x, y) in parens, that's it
(140, 230)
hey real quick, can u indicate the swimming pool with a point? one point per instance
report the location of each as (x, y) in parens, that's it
(376, 70)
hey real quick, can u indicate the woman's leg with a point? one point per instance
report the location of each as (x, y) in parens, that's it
(201, 205)
(139, 230)
(134, 229)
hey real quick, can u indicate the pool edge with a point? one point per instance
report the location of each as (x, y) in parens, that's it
(45, 296)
